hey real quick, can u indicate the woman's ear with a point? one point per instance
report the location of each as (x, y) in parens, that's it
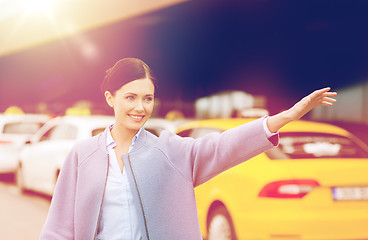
(108, 98)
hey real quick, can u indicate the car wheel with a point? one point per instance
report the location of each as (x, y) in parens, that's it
(19, 179)
(220, 225)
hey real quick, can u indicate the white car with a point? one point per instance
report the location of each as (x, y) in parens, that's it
(15, 130)
(41, 159)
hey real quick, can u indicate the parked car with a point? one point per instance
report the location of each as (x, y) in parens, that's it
(41, 159)
(15, 130)
(314, 185)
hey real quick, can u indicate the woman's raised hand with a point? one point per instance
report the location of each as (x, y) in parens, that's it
(317, 98)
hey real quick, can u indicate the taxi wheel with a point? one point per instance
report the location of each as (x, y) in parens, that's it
(19, 179)
(220, 225)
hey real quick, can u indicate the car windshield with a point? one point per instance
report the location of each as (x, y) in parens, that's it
(316, 145)
(21, 127)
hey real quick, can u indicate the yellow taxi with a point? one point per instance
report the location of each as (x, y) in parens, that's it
(314, 185)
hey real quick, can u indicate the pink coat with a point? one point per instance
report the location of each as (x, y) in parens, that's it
(162, 173)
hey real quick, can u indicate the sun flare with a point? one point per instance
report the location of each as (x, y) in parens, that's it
(38, 5)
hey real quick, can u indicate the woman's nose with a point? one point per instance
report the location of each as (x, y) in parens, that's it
(139, 106)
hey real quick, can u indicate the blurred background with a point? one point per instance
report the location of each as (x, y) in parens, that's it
(212, 59)
(54, 53)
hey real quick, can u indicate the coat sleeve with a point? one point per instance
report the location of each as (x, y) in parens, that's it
(60, 220)
(201, 159)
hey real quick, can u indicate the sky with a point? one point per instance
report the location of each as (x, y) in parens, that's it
(27, 23)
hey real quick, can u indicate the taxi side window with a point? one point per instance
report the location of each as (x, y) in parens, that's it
(97, 131)
(21, 127)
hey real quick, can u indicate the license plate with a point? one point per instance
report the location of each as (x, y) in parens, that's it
(350, 193)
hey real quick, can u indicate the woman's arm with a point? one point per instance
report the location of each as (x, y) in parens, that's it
(199, 160)
(317, 98)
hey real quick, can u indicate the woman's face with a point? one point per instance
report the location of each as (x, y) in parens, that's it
(132, 103)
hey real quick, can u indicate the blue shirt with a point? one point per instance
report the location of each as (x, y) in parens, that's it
(118, 216)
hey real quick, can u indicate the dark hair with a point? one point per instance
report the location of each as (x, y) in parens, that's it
(124, 71)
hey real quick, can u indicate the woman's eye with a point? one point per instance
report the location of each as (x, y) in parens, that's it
(130, 97)
(149, 99)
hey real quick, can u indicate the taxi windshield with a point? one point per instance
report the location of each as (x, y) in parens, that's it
(298, 145)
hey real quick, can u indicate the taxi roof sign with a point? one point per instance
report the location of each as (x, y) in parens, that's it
(78, 111)
(14, 110)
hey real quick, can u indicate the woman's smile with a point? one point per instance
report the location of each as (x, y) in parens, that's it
(136, 118)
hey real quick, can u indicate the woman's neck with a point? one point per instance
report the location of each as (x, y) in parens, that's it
(122, 136)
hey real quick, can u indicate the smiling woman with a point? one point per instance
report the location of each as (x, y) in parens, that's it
(127, 183)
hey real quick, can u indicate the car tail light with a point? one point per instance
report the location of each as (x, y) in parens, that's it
(294, 188)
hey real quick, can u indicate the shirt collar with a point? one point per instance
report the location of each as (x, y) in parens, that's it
(110, 141)
(135, 137)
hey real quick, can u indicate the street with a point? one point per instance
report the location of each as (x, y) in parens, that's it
(21, 215)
